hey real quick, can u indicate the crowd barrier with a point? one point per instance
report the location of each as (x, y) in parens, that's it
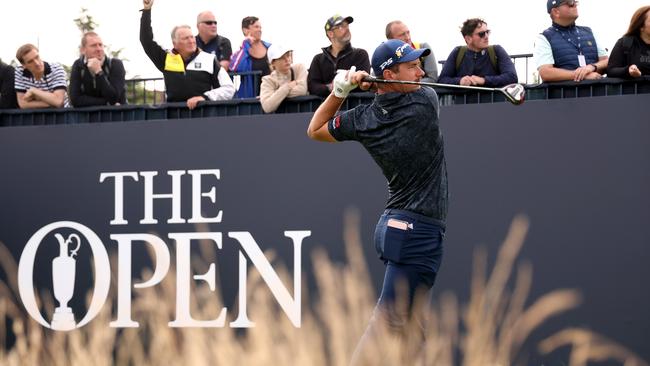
(578, 167)
(244, 107)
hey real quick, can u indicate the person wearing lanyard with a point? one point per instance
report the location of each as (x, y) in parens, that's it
(566, 51)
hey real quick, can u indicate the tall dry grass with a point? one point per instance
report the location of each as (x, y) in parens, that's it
(489, 330)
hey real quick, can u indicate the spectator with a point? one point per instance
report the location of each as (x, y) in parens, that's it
(251, 57)
(38, 84)
(398, 30)
(96, 79)
(287, 80)
(339, 55)
(630, 57)
(7, 92)
(478, 63)
(191, 75)
(209, 41)
(566, 51)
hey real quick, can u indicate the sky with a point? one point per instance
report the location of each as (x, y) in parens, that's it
(295, 24)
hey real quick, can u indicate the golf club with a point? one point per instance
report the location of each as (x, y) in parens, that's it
(515, 93)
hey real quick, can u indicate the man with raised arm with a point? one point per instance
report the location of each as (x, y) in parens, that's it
(191, 75)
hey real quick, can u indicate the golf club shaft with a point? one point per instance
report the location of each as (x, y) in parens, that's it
(450, 86)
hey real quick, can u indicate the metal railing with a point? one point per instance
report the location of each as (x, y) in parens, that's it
(307, 104)
(152, 90)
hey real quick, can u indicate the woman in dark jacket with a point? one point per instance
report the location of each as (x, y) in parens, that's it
(630, 57)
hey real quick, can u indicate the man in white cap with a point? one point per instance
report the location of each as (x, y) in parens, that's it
(401, 131)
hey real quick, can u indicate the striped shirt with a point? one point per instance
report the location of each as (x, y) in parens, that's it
(54, 78)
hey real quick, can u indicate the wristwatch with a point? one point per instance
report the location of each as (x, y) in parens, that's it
(595, 67)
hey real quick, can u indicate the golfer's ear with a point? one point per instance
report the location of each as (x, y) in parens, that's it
(388, 74)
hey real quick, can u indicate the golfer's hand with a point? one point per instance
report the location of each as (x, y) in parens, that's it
(634, 71)
(343, 84)
(357, 78)
(147, 4)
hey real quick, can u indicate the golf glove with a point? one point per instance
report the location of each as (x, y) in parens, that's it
(342, 84)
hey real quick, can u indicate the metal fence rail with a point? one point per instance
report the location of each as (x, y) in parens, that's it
(152, 90)
(591, 88)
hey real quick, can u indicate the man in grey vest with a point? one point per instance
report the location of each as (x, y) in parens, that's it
(398, 30)
(565, 51)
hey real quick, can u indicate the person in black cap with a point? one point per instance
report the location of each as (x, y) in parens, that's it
(401, 131)
(566, 51)
(339, 55)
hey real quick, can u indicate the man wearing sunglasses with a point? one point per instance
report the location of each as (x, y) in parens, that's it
(565, 51)
(191, 75)
(209, 41)
(478, 63)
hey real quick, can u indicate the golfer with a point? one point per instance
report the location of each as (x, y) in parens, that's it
(401, 131)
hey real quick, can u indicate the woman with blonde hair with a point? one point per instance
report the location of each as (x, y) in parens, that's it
(287, 80)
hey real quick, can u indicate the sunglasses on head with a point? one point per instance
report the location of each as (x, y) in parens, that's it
(483, 33)
(210, 22)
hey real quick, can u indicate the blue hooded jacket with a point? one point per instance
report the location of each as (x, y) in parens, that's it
(240, 61)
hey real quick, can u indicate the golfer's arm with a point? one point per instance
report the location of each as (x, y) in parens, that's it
(317, 129)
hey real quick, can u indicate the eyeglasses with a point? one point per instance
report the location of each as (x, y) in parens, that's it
(210, 22)
(484, 33)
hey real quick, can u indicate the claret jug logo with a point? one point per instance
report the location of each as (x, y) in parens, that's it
(63, 274)
(75, 239)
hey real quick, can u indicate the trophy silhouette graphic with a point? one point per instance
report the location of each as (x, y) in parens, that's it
(63, 278)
